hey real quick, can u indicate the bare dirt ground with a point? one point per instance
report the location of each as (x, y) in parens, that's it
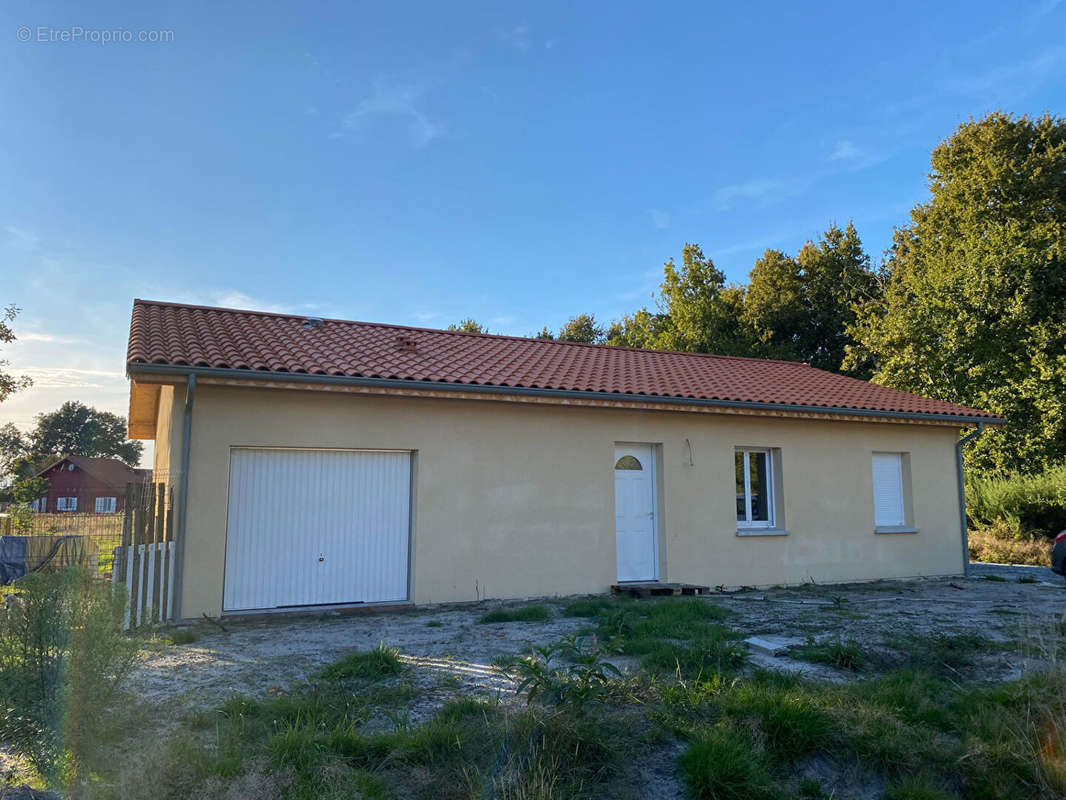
(449, 653)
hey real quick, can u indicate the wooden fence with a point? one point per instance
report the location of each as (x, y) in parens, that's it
(144, 561)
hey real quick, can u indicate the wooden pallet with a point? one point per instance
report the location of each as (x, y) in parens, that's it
(656, 589)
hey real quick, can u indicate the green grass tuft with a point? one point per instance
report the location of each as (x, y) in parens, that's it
(917, 789)
(724, 766)
(842, 655)
(537, 613)
(589, 607)
(381, 662)
(182, 636)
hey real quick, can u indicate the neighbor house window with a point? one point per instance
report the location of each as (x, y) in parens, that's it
(105, 505)
(66, 504)
(628, 462)
(40, 504)
(755, 491)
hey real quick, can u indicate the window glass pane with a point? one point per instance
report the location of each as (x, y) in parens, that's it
(628, 462)
(760, 488)
(741, 514)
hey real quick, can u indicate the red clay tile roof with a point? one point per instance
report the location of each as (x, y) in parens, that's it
(196, 336)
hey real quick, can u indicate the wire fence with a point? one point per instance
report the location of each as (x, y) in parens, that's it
(52, 541)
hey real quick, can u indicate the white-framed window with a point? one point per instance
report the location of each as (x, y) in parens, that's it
(106, 505)
(66, 504)
(40, 504)
(889, 504)
(754, 487)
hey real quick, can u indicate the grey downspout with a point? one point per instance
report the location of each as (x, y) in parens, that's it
(962, 495)
(183, 494)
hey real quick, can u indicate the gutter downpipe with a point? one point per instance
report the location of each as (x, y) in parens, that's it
(962, 495)
(183, 493)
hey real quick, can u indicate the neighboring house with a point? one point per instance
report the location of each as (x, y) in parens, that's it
(87, 485)
(332, 462)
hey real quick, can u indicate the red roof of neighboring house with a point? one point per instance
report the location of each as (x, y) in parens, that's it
(111, 471)
(197, 336)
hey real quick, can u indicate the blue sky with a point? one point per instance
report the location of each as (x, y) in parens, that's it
(423, 162)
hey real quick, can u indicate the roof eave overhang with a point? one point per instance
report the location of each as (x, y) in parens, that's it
(139, 371)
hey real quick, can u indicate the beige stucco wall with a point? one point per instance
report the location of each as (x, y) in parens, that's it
(516, 500)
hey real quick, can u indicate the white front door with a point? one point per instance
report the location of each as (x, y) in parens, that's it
(634, 512)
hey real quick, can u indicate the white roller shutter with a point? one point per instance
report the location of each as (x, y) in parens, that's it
(314, 527)
(888, 490)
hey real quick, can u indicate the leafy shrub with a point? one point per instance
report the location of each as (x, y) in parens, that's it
(1004, 542)
(583, 679)
(523, 614)
(725, 766)
(381, 662)
(1035, 503)
(63, 658)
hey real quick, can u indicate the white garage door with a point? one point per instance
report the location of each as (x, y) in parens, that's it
(313, 527)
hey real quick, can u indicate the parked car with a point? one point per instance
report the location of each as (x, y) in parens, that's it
(1058, 554)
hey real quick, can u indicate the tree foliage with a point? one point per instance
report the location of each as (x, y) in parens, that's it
(800, 308)
(75, 429)
(468, 325)
(696, 311)
(9, 384)
(582, 328)
(974, 305)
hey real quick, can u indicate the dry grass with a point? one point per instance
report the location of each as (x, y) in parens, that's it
(1003, 543)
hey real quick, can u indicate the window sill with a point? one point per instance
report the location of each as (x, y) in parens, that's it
(896, 529)
(761, 532)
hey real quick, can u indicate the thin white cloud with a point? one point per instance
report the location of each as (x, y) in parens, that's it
(660, 219)
(1014, 79)
(759, 189)
(516, 36)
(845, 150)
(391, 96)
(48, 338)
(22, 237)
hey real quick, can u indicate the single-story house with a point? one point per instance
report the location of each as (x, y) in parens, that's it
(327, 462)
(87, 485)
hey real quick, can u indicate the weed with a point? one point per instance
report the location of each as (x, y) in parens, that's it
(994, 578)
(183, 636)
(63, 658)
(811, 789)
(589, 607)
(916, 789)
(575, 684)
(791, 723)
(842, 655)
(724, 766)
(1027, 579)
(381, 662)
(537, 613)
(434, 623)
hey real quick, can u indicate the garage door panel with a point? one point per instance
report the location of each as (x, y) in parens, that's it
(309, 527)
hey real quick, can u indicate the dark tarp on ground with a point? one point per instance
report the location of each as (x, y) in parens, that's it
(12, 558)
(20, 555)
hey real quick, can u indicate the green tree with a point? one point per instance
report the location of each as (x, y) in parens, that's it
(545, 333)
(468, 326)
(12, 447)
(974, 306)
(76, 429)
(800, 308)
(9, 384)
(582, 328)
(697, 312)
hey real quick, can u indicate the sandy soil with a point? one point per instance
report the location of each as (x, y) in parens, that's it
(449, 653)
